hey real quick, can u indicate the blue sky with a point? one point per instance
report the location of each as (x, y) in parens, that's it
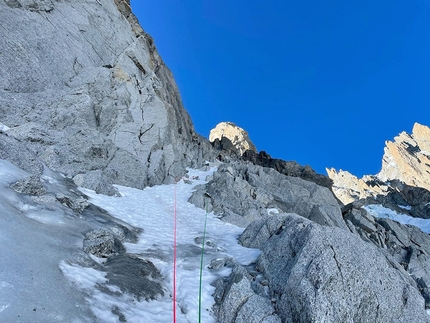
(324, 83)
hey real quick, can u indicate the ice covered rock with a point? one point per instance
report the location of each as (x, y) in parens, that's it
(77, 204)
(134, 276)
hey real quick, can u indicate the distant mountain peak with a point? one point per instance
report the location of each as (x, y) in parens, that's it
(404, 178)
(407, 158)
(232, 137)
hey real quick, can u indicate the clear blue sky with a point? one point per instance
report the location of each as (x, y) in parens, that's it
(323, 83)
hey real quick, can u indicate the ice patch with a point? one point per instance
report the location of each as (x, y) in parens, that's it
(86, 278)
(425, 153)
(9, 173)
(272, 211)
(379, 211)
(47, 217)
(3, 127)
(3, 307)
(407, 207)
(5, 289)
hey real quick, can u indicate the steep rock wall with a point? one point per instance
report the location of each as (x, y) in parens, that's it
(83, 87)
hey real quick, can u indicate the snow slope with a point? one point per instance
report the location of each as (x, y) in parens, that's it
(32, 288)
(152, 210)
(46, 277)
(379, 211)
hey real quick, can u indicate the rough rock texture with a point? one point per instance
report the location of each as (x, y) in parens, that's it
(30, 185)
(406, 164)
(241, 193)
(289, 168)
(84, 92)
(231, 137)
(407, 245)
(236, 301)
(408, 158)
(83, 89)
(322, 274)
(102, 243)
(393, 194)
(348, 188)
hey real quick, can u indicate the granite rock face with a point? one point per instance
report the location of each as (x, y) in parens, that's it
(407, 159)
(243, 192)
(84, 93)
(405, 167)
(228, 136)
(324, 274)
(289, 168)
(407, 245)
(83, 89)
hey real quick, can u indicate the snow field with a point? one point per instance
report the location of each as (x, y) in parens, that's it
(379, 211)
(152, 210)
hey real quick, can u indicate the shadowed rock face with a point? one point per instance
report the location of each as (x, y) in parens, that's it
(83, 88)
(228, 136)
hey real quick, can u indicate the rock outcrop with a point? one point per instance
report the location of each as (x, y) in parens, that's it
(406, 160)
(228, 136)
(403, 182)
(317, 273)
(83, 89)
(289, 168)
(242, 192)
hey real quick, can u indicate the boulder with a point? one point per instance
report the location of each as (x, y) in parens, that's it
(102, 243)
(236, 302)
(324, 274)
(30, 185)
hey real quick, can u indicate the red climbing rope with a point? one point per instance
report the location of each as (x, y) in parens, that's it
(174, 257)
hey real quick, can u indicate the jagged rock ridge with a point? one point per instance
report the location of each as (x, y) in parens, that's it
(404, 179)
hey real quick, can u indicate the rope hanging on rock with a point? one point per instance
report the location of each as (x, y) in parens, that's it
(174, 256)
(202, 257)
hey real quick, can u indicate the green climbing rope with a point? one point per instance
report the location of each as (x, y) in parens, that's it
(201, 265)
